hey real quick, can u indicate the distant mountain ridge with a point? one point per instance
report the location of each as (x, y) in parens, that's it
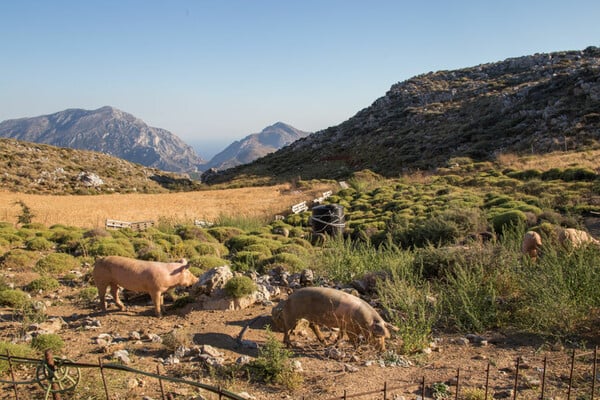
(525, 105)
(256, 145)
(110, 131)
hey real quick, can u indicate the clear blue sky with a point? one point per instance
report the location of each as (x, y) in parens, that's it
(215, 71)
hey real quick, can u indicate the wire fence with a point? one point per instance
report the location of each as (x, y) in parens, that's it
(439, 392)
(61, 376)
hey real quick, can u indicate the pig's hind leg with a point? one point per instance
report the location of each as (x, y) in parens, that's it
(114, 290)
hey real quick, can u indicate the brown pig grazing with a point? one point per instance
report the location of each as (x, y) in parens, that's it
(532, 242)
(574, 238)
(335, 309)
(150, 277)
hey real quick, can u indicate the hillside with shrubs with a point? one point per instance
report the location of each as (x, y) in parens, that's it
(444, 236)
(529, 105)
(44, 169)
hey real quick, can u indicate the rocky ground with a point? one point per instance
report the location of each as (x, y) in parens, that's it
(202, 346)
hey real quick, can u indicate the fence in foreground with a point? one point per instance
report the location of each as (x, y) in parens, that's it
(60, 376)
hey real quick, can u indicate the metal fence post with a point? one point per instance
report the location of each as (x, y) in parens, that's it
(516, 379)
(571, 375)
(594, 372)
(487, 380)
(53, 385)
(544, 378)
(103, 378)
(12, 374)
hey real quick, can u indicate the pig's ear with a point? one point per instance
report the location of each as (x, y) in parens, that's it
(378, 329)
(184, 262)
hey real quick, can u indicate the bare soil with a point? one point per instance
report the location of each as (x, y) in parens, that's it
(357, 371)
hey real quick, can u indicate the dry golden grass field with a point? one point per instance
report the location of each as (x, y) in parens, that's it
(92, 211)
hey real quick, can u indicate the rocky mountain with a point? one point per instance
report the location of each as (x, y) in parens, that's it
(525, 105)
(109, 131)
(256, 145)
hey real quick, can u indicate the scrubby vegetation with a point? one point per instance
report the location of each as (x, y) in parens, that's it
(438, 253)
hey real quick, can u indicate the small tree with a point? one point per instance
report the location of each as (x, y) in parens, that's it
(26, 216)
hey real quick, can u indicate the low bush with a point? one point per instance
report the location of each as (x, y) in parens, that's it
(56, 263)
(207, 262)
(43, 283)
(15, 350)
(49, 341)
(38, 243)
(110, 247)
(191, 232)
(223, 233)
(247, 261)
(239, 286)
(273, 365)
(19, 260)
(14, 298)
(508, 219)
(87, 296)
(290, 261)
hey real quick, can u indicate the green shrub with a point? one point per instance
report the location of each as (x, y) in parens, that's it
(38, 243)
(507, 219)
(191, 232)
(552, 174)
(186, 249)
(292, 248)
(528, 174)
(86, 296)
(469, 299)
(239, 286)
(411, 305)
(578, 174)
(261, 248)
(56, 263)
(211, 249)
(273, 364)
(223, 233)
(238, 243)
(558, 292)
(244, 222)
(110, 247)
(15, 350)
(152, 253)
(43, 283)
(68, 240)
(292, 261)
(196, 271)
(207, 262)
(14, 298)
(19, 260)
(49, 341)
(247, 260)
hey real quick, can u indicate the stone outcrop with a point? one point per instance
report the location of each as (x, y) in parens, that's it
(532, 104)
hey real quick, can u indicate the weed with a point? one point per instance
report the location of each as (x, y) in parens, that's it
(273, 364)
(49, 341)
(87, 296)
(15, 350)
(440, 391)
